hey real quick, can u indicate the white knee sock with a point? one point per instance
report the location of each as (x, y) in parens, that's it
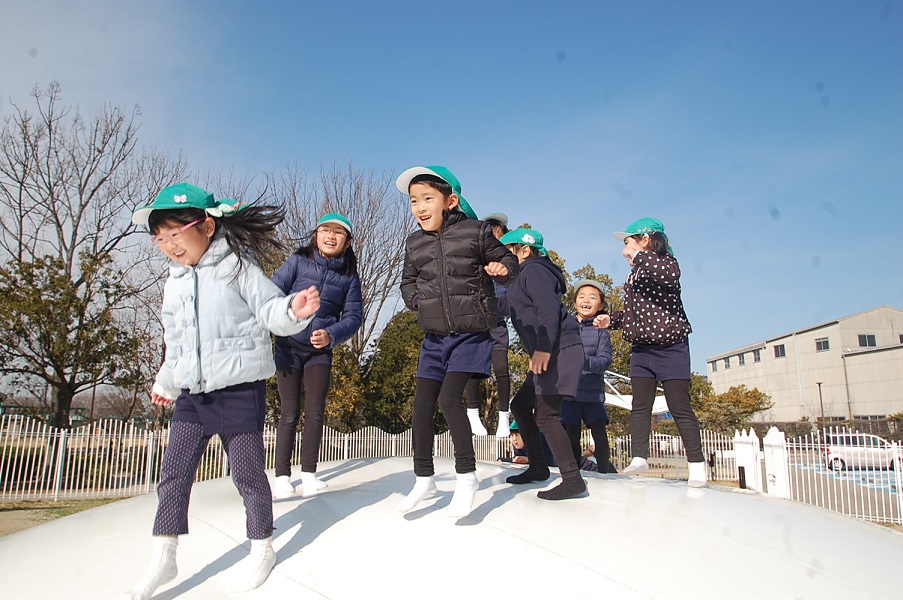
(311, 485)
(465, 490)
(163, 568)
(697, 474)
(637, 465)
(503, 430)
(424, 487)
(476, 426)
(252, 571)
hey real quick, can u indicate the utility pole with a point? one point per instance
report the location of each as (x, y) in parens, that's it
(821, 405)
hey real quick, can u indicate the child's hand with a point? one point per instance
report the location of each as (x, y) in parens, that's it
(539, 362)
(496, 269)
(159, 400)
(320, 338)
(602, 321)
(306, 302)
(523, 460)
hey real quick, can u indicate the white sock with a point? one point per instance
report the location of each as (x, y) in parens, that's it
(163, 568)
(503, 430)
(637, 465)
(476, 426)
(282, 487)
(697, 474)
(424, 487)
(465, 490)
(311, 484)
(252, 571)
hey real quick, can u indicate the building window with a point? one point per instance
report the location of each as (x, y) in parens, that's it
(714, 366)
(867, 340)
(779, 351)
(727, 362)
(821, 344)
(741, 359)
(757, 356)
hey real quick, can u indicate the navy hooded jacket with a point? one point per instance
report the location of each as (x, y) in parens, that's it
(341, 306)
(597, 353)
(537, 313)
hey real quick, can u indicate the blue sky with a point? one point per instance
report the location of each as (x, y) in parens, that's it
(767, 135)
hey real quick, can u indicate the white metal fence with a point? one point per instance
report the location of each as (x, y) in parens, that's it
(112, 458)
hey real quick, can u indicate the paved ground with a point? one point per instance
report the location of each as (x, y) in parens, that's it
(630, 538)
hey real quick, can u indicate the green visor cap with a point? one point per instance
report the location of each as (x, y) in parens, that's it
(525, 237)
(403, 183)
(513, 426)
(185, 195)
(338, 219)
(640, 227)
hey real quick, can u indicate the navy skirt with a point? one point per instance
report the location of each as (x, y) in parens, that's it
(236, 409)
(458, 353)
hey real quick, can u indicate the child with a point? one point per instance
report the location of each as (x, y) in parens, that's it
(551, 337)
(449, 267)
(589, 405)
(327, 260)
(654, 322)
(499, 333)
(218, 311)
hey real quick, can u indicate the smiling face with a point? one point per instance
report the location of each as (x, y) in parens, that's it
(185, 244)
(427, 204)
(588, 302)
(332, 240)
(634, 244)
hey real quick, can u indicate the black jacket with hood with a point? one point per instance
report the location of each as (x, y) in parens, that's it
(443, 278)
(537, 313)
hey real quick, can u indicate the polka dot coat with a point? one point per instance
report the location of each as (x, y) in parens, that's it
(653, 312)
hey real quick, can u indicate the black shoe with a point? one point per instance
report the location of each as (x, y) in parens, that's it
(564, 490)
(530, 475)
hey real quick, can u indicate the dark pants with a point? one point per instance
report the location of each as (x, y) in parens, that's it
(677, 395)
(502, 382)
(533, 413)
(315, 380)
(448, 395)
(602, 451)
(187, 443)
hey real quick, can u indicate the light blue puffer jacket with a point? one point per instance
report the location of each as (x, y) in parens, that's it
(217, 326)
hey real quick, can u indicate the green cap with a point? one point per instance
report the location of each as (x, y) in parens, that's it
(403, 183)
(338, 219)
(525, 237)
(513, 426)
(639, 227)
(185, 195)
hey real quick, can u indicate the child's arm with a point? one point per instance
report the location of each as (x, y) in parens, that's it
(285, 275)
(500, 263)
(664, 270)
(165, 389)
(271, 306)
(602, 360)
(408, 286)
(351, 319)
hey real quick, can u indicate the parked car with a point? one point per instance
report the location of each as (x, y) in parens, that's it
(860, 451)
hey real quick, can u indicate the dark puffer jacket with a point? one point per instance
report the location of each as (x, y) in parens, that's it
(538, 316)
(340, 312)
(597, 360)
(443, 278)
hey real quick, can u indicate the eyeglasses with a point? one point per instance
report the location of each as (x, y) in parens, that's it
(338, 231)
(175, 236)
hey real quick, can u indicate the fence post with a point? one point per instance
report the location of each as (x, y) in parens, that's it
(345, 446)
(746, 450)
(58, 469)
(149, 467)
(776, 472)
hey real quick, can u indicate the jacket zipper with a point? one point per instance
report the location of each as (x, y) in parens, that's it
(197, 332)
(443, 281)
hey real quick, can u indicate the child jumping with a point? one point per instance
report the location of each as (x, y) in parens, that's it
(326, 260)
(654, 322)
(551, 336)
(219, 309)
(588, 407)
(449, 267)
(499, 334)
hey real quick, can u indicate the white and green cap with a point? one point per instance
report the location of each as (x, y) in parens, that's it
(185, 195)
(338, 219)
(525, 237)
(403, 183)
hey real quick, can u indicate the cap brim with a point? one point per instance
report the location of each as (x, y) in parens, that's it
(500, 217)
(403, 182)
(140, 216)
(621, 235)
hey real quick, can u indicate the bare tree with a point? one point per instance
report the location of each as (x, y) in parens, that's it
(381, 223)
(67, 187)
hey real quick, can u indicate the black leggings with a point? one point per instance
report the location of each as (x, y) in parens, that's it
(677, 396)
(502, 382)
(448, 394)
(315, 380)
(602, 450)
(543, 412)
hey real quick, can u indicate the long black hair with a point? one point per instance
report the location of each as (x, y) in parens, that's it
(248, 232)
(658, 242)
(310, 246)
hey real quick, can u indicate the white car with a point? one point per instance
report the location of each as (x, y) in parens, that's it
(860, 451)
